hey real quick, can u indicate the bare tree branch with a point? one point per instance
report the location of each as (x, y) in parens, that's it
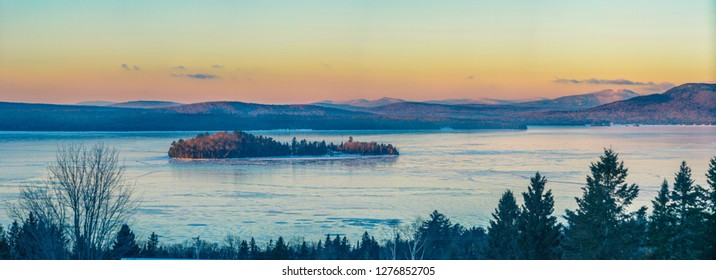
(86, 194)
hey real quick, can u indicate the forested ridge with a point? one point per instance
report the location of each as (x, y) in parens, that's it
(605, 225)
(240, 144)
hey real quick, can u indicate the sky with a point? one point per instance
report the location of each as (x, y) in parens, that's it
(307, 51)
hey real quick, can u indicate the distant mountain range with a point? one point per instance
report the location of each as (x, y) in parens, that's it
(212, 116)
(131, 104)
(95, 103)
(388, 101)
(565, 103)
(253, 109)
(145, 104)
(582, 101)
(480, 108)
(468, 101)
(358, 104)
(685, 104)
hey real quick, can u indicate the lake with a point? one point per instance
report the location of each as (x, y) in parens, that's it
(459, 173)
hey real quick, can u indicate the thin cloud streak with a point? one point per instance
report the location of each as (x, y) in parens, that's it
(130, 67)
(199, 76)
(649, 86)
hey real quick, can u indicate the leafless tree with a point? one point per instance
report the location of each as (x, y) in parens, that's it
(86, 194)
(415, 243)
(391, 235)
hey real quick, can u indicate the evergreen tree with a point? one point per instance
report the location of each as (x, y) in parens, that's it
(4, 245)
(503, 232)
(438, 234)
(280, 250)
(253, 250)
(599, 227)
(690, 215)
(37, 240)
(539, 232)
(125, 246)
(14, 240)
(475, 243)
(367, 249)
(303, 252)
(151, 249)
(244, 250)
(344, 249)
(710, 248)
(660, 231)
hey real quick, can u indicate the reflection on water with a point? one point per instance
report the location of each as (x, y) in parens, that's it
(342, 161)
(460, 173)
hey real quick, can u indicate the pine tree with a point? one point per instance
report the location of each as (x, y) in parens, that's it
(345, 249)
(4, 245)
(14, 236)
(37, 240)
(280, 250)
(660, 231)
(125, 246)
(690, 215)
(600, 228)
(244, 250)
(151, 249)
(710, 248)
(303, 251)
(438, 233)
(539, 232)
(253, 250)
(367, 249)
(503, 232)
(711, 178)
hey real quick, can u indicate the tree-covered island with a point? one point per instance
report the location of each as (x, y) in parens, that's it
(240, 144)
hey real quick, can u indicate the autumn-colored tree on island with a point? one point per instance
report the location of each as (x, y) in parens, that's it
(239, 144)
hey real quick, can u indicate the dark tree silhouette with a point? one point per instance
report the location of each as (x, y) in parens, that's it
(151, 248)
(690, 215)
(280, 251)
(4, 245)
(502, 232)
(598, 228)
(439, 235)
(125, 246)
(539, 231)
(35, 239)
(367, 249)
(660, 232)
(710, 240)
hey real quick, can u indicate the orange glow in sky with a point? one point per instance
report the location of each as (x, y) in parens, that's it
(291, 52)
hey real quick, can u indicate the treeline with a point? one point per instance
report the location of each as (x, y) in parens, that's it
(240, 144)
(45, 117)
(435, 238)
(681, 225)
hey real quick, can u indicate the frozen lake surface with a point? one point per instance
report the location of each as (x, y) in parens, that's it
(459, 173)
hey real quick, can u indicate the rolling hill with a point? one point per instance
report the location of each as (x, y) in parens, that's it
(95, 103)
(216, 116)
(472, 111)
(685, 104)
(468, 101)
(358, 104)
(581, 101)
(145, 104)
(253, 109)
